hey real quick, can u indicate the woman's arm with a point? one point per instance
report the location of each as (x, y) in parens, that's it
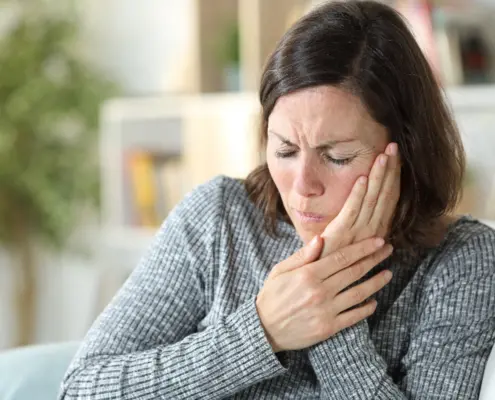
(449, 345)
(145, 344)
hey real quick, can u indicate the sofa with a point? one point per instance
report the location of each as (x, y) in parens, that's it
(35, 372)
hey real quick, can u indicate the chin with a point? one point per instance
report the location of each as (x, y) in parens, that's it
(307, 233)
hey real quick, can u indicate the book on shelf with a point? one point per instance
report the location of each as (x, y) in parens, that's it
(458, 50)
(153, 185)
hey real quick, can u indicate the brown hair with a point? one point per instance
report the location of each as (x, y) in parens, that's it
(366, 48)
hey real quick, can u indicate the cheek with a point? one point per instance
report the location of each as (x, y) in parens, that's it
(338, 188)
(281, 176)
(343, 181)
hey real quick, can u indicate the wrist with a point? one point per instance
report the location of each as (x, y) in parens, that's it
(271, 341)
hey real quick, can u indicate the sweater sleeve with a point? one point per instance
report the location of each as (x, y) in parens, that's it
(449, 346)
(145, 345)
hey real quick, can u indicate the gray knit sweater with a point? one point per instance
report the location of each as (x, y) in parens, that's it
(185, 326)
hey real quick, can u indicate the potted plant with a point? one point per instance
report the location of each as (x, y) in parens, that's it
(228, 54)
(48, 157)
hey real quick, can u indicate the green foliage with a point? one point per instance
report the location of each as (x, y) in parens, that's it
(49, 102)
(228, 46)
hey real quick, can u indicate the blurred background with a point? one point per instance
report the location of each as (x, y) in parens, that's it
(112, 110)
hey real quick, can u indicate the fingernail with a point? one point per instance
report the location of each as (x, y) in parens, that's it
(314, 241)
(363, 180)
(379, 242)
(393, 149)
(383, 160)
(388, 275)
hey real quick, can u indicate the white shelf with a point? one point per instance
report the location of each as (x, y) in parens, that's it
(152, 124)
(473, 97)
(125, 247)
(212, 134)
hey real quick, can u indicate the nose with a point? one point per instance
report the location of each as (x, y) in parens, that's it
(307, 182)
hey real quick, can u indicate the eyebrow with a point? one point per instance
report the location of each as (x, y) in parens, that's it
(325, 145)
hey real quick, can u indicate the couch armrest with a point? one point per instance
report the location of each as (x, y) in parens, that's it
(34, 372)
(488, 386)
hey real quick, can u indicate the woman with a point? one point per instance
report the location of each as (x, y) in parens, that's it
(281, 286)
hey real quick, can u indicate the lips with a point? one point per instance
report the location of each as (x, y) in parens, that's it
(309, 217)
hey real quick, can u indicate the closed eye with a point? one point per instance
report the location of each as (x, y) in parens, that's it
(326, 157)
(285, 154)
(338, 161)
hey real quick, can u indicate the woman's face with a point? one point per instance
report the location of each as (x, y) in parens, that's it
(320, 140)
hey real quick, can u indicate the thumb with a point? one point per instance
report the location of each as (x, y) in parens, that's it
(305, 255)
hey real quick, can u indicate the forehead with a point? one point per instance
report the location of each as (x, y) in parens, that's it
(324, 113)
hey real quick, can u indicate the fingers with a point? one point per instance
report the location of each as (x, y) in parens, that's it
(345, 257)
(348, 276)
(363, 291)
(390, 193)
(375, 183)
(305, 255)
(350, 211)
(352, 317)
(333, 233)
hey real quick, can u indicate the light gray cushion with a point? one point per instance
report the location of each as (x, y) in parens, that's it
(488, 386)
(34, 372)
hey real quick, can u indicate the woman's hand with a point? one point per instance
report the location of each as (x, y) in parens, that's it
(302, 301)
(370, 208)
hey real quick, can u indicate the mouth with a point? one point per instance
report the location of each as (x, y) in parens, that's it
(308, 217)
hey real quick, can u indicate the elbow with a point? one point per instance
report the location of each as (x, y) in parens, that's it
(80, 382)
(73, 387)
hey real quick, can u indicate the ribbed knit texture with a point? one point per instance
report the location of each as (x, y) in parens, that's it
(185, 325)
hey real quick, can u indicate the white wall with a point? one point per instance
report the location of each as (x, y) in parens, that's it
(68, 298)
(147, 46)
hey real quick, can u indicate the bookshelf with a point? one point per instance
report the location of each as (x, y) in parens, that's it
(151, 126)
(207, 133)
(204, 135)
(216, 134)
(172, 46)
(262, 23)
